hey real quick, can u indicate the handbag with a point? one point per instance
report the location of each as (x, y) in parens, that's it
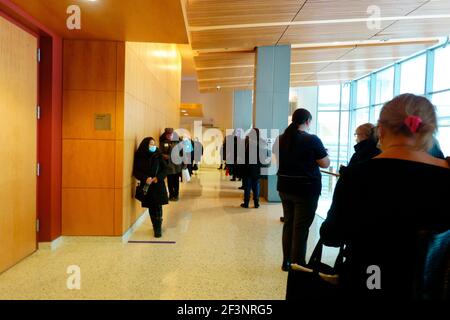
(139, 193)
(185, 175)
(316, 280)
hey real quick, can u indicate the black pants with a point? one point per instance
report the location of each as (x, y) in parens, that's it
(299, 213)
(173, 184)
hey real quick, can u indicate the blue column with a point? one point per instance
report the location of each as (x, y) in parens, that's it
(271, 103)
(243, 109)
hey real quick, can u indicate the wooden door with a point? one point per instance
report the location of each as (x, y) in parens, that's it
(18, 100)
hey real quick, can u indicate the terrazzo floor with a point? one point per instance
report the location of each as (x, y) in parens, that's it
(222, 252)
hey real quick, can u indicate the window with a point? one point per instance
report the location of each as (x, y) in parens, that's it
(384, 86)
(377, 113)
(361, 116)
(329, 97)
(442, 102)
(345, 102)
(441, 69)
(413, 75)
(363, 92)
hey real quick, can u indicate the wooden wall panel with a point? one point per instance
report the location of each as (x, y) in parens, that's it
(152, 102)
(90, 65)
(92, 159)
(18, 96)
(88, 212)
(80, 108)
(88, 163)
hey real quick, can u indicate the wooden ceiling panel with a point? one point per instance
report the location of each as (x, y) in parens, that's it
(319, 33)
(380, 51)
(417, 28)
(300, 77)
(433, 7)
(310, 67)
(367, 66)
(214, 90)
(225, 82)
(220, 12)
(318, 54)
(226, 59)
(247, 38)
(225, 73)
(344, 75)
(132, 20)
(349, 9)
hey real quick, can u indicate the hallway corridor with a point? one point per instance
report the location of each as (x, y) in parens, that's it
(221, 252)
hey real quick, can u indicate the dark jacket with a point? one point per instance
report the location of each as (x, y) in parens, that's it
(380, 207)
(364, 151)
(153, 165)
(166, 147)
(254, 161)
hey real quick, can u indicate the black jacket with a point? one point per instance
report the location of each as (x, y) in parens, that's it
(148, 165)
(364, 151)
(380, 208)
(254, 161)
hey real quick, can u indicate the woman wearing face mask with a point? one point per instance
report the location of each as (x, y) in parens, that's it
(151, 170)
(300, 157)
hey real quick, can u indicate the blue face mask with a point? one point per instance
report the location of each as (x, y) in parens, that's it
(152, 148)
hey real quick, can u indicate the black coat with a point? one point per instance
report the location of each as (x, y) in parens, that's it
(151, 165)
(380, 208)
(364, 151)
(254, 163)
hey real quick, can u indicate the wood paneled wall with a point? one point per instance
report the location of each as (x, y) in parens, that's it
(152, 103)
(139, 86)
(92, 159)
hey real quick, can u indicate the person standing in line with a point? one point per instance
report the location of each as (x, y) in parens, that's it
(167, 143)
(151, 170)
(251, 170)
(387, 211)
(300, 157)
(366, 147)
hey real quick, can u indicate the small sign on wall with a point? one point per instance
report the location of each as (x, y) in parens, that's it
(103, 122)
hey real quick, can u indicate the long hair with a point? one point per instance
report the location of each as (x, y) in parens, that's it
(143, 147)
(300, 117)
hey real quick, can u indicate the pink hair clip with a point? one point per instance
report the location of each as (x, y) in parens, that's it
(413, 123)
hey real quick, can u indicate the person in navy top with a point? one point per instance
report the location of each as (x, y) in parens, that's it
(300, 156)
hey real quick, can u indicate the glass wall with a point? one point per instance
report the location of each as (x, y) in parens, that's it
(342, 108)
(413, 74)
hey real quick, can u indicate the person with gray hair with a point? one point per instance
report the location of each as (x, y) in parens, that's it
(386, 211)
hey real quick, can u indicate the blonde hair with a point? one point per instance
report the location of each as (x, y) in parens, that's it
(369, 130)
(395, 112)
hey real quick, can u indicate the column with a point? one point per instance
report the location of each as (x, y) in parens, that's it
(243, 109)
(271, 103)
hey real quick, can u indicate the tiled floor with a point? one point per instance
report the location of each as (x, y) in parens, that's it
(222, 252)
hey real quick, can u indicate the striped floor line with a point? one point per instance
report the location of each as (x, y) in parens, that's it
(153, 242)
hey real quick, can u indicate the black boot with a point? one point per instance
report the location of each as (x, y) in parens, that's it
(157, 228)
